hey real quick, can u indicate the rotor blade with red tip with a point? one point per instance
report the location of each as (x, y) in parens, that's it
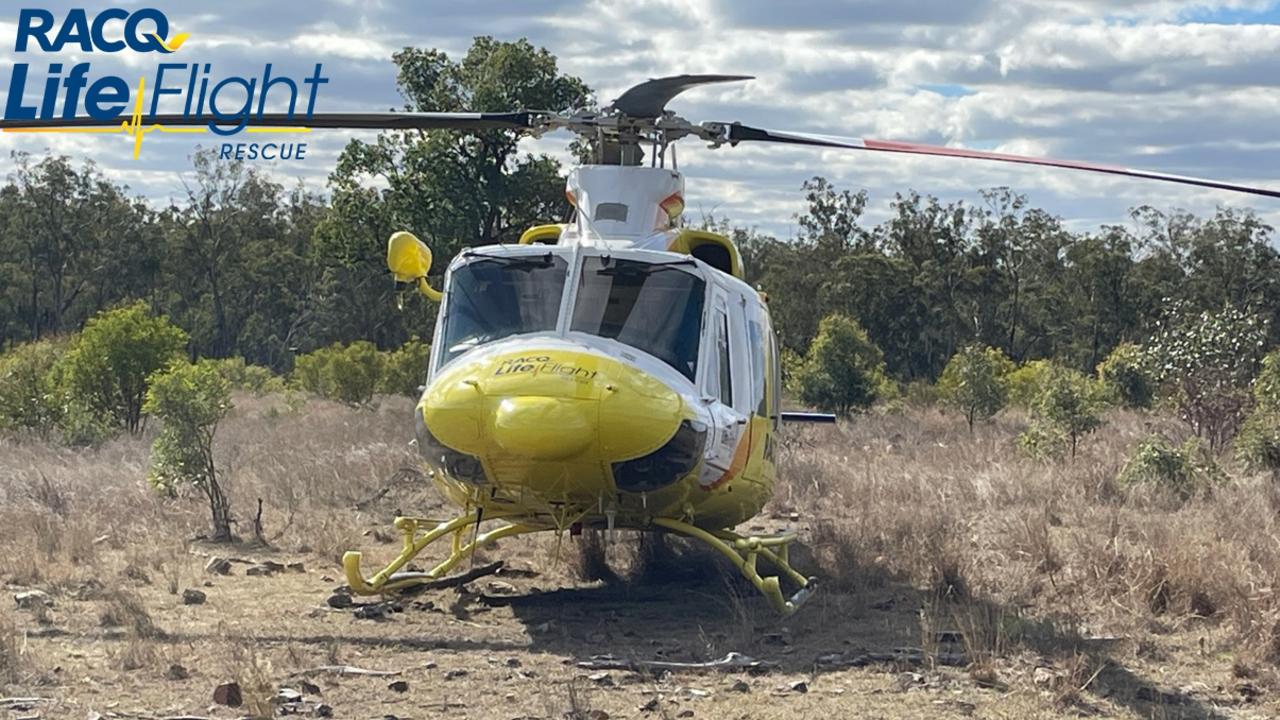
(743, 133)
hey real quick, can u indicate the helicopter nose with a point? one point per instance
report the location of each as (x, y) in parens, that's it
(544, 428)
(551, 405)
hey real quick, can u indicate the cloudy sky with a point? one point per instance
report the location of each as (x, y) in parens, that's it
(1181, 87)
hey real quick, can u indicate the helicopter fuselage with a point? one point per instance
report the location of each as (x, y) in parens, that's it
(600, 386)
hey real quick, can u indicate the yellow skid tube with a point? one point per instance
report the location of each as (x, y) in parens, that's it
(743, 552)
(388, 579)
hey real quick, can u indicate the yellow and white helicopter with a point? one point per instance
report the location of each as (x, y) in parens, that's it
(612, 372)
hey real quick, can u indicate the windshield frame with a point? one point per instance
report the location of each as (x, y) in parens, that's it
(575, 257)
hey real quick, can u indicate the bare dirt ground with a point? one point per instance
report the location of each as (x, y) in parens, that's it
(958, 580)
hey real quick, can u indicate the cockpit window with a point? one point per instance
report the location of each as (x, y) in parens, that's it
(611, 211)
(493, 297)
(654, 307)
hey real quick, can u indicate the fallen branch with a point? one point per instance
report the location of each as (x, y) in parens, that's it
(907, 656)
(447, 582)
(729, 663)
(345, 670)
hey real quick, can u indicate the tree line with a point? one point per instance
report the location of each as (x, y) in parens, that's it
(249, 268)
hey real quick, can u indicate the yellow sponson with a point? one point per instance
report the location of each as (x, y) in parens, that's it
(712, 248)
(541, 234)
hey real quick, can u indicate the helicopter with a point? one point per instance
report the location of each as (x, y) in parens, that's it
(615, 371)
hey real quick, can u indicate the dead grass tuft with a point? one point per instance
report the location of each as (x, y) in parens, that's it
(125, 608)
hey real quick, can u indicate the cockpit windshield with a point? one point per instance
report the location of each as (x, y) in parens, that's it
(654, 307)
(500, 295)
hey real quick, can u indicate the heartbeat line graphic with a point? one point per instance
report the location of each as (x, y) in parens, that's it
(135, 129)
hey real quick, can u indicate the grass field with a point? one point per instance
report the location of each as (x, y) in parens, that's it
(958, 579)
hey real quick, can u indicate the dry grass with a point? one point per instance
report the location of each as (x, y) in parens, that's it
(973, 547)
(971, 519)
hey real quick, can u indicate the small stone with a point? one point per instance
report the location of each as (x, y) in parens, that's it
(601, 678)
(228, 694)
(685, 714)
(323, 710)
(498, 587)
(651, 705)
(218, 566)
(378, 611)
(513, 662)
(30, 599)
(287, 696)
(740, 686)
(309, 687)
(177, 672)
(907, 680)
(455, 674)
(192, 596)
(340, 601)
(429, 665)
(799, 686)
(296, 567)
(399, 686)
(260, 570)
(597, 715)
(1043, 676)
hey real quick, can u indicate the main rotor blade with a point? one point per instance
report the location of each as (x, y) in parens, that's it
(649, 99)
(351, 121)
(743, 133)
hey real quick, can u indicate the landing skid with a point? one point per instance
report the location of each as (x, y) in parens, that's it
(743, 551)
(388, 579)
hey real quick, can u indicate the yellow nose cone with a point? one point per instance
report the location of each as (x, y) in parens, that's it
(544, 428)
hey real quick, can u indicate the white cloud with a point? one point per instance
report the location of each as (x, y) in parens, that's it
(1135, 82)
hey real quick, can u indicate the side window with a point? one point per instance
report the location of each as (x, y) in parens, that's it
(759, 367)
(775, 381)
(723, 353)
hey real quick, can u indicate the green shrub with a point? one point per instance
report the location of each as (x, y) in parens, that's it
(85, 426)
(1069, 406)
(404, 369)
(1205, 363)
(30, 398)
(792, 365)
(843, 370)
(251, 378)
(107, 366)
(1181, 470)
(1258, 443)
(921, 393)
(1125, 375)
(1266, 387)
(1026, 381)
(1043, 440)
(191, 400)
(348, 374)
(973, 382)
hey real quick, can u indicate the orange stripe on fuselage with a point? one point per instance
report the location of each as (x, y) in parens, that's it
(741, 454)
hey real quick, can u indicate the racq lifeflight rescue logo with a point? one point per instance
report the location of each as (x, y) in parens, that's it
(187, 89)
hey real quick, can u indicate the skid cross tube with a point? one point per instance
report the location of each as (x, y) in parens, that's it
(388, 579)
